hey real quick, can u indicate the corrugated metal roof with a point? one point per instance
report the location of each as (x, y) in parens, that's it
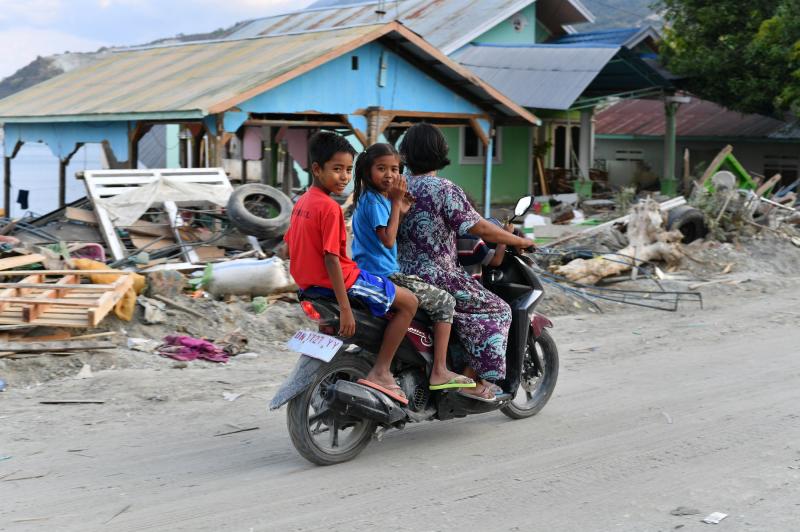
(627, 37)
(699, 118)
(189, 77)
(447, 24)
(542, 77)
(195, 79)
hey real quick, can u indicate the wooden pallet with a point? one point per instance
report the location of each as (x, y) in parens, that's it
(58, 298)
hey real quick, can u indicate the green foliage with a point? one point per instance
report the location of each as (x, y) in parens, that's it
(744, 55)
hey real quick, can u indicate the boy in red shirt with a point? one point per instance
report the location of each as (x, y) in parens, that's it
(317, 242)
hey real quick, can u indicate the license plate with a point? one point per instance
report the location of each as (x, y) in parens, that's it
(315, 345)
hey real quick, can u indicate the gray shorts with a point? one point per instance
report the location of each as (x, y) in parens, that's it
(439, 305)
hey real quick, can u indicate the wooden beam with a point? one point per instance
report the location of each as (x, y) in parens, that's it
(30, 313)
(7, 186)
(23, 260)
(266, 155)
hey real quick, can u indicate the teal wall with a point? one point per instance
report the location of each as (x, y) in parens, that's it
(505, 32)
(509, 178)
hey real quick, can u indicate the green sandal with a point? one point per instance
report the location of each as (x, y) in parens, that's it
(456, 382)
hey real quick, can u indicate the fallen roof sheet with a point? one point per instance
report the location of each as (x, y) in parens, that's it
(196, 79)
(447, 24)
(698, 118)
(628, 37)
(555, 76)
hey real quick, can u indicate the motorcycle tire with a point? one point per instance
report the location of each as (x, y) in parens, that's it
(260, 210)
(536, 399)
(302, 426)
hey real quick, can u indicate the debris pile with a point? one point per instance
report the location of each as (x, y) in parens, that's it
(141, 249)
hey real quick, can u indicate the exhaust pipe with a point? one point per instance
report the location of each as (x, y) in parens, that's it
(351, 399)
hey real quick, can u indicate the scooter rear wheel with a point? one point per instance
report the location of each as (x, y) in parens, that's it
(319, 436)
(538, 380)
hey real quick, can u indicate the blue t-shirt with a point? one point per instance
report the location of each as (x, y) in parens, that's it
(372, 212)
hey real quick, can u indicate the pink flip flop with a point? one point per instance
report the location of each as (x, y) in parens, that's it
(386, 391)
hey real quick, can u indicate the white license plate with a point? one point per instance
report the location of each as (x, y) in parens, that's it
(315, 345)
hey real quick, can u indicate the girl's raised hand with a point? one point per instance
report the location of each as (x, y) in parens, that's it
(398, 190)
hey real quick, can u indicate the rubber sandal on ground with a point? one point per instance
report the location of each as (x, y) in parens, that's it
(385, 391)
(456, 382)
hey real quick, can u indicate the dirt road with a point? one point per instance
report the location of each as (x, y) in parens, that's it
(653, 411)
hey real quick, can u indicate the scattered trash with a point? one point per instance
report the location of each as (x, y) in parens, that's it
(714, 518)
(72, 402)
(684, 510)
(187, 348)
(2, 385)
(85, 372)
(119, 513)
(145, 345)
(259, 304)
(230, 396)
(153, 310)
(237, 431)
(4, 458)
(667, 417)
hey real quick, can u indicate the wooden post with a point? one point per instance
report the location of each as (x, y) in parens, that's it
(266, 155)
(585, 145)
(7, 185)
(7, 177)
(62, 175)
(243, 170)
(288, 164)
(487, 196)
(670, 110)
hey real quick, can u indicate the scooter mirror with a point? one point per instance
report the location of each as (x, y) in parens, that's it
(522, 206)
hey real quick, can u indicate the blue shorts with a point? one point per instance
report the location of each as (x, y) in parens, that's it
(375, 292)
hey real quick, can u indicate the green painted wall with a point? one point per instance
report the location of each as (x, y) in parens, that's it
(505, 32)
(509, 178)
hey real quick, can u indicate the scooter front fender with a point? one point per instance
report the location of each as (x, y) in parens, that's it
(298, 380)
(539, 322)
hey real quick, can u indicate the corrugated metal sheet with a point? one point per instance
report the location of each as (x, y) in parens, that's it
(541, 77)
(447, 24)
(699, 118)
(188, 81)
(618, 37)
(191, 77)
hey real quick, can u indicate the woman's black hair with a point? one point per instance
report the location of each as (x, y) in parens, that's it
(424, 149)
(363, 168)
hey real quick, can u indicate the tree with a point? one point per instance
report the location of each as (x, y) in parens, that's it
(744, 55)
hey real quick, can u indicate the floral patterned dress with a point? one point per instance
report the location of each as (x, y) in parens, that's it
(427, 248)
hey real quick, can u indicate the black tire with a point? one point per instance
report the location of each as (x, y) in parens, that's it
(299, 421)
(260, 210)
(688, 221)
(537, 387)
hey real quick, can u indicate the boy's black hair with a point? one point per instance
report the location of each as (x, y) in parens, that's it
(424, 149)
(323, 145)
(362, 170)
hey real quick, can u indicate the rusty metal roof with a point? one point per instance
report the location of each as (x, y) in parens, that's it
(447, 24)
(196, 79)
(698, 118)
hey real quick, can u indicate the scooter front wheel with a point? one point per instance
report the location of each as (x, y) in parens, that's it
(319, 435)
(538, 380)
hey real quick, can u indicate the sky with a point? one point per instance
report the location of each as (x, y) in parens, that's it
(29, 28)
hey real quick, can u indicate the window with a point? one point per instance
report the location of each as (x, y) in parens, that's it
(629, 155)
(472, 150)
(354, 62)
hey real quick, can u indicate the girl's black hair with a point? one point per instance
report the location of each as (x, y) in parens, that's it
(363, 168)
(424, 149)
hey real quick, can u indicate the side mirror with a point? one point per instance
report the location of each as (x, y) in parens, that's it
(522, 206)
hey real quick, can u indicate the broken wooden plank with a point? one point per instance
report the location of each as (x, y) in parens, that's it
(23, 260)
(37, 347)
(30, 313)
(80, 215)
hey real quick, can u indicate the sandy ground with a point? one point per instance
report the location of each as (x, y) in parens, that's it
(653, 411)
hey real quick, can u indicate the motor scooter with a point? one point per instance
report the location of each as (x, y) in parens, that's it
(331, 418)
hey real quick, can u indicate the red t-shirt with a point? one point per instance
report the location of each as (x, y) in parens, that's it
(317, 227)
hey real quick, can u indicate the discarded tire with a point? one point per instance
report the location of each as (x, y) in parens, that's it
(260, 210)
(688, 221)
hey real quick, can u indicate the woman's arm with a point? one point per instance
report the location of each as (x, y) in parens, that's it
(388, 234)
(491, 233)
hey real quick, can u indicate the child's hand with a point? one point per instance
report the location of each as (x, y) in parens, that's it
(398, 190)
(347, 323)
(406, 203)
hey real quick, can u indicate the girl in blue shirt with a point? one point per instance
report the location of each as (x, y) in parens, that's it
(381, 199)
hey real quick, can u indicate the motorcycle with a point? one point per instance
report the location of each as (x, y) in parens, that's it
(331, 418)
